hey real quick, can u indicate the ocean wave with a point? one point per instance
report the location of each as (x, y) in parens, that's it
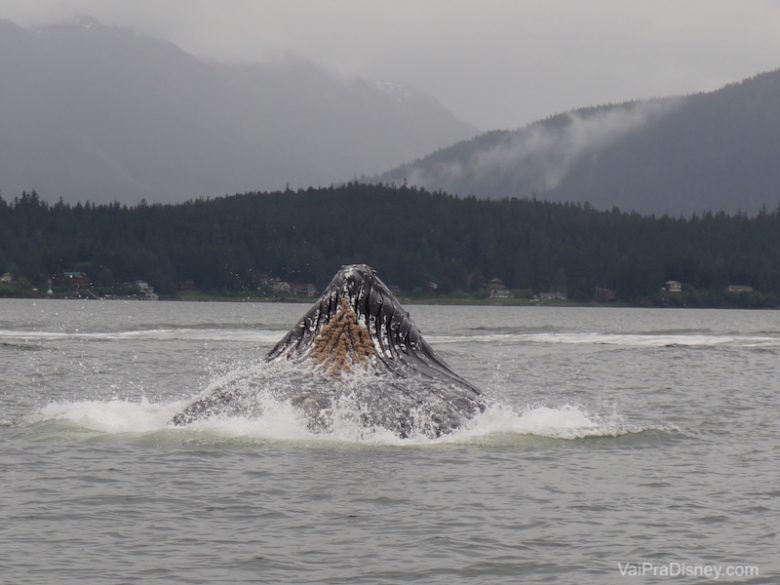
(271, 336)
(167, 334)
(618, 339)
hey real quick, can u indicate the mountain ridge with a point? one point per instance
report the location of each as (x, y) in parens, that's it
(93, 112)
(677, 155)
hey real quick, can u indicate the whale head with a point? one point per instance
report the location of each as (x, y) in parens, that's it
(358, 321)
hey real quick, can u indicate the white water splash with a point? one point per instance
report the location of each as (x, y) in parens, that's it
(110, 416)
(281, 422)
(555, 422)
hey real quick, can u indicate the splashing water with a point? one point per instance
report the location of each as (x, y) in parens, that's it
(270, 416)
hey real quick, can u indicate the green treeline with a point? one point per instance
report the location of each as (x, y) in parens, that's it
(411, 236)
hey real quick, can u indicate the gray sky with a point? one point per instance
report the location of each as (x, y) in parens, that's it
(494, 63)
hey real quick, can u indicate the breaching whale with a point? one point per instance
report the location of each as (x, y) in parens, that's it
(358, 344)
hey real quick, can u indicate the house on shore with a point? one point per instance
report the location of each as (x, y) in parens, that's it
(303, 289)
(553, 296)
(273, 285)
(737, 289)
(146, 291)
(280, 287)
(73, 285)
(497, 289)
(671, 287)
(75, 281)
(604, 295)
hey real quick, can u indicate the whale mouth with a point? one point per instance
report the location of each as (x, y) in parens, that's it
(343, 343)
(358, 326)
(360, 303)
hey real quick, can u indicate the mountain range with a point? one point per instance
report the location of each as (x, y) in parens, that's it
(715, 151)
(99, 113)
(94, 112)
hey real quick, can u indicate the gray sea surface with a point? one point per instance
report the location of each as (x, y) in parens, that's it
(618, 442)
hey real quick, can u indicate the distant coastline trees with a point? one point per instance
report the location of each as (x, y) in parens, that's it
(412, 236)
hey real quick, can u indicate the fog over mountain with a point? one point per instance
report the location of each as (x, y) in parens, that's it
(710, 151)
(90, 112)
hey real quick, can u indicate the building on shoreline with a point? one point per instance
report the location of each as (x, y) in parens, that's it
(497, 289)
(146, 291)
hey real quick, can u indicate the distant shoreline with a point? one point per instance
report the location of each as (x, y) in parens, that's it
(202, 297)
(463, 251)
(469, 302)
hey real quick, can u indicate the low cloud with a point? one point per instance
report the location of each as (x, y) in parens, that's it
(538, 158)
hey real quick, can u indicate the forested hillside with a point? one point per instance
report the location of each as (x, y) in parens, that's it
(411, 236)
(713, 151)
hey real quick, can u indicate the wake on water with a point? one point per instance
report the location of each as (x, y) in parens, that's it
(272, 418)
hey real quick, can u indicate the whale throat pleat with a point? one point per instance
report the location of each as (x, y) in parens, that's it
(342, 343)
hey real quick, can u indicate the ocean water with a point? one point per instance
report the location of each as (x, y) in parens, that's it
(618, 443)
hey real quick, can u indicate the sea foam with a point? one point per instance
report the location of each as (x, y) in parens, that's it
(281, 422)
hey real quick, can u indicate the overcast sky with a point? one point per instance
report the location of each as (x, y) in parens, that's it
(494, 63)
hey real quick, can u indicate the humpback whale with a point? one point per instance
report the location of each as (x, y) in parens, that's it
(358, 344)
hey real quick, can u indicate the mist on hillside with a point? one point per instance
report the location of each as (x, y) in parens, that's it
(91, 112)
(538, 158)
